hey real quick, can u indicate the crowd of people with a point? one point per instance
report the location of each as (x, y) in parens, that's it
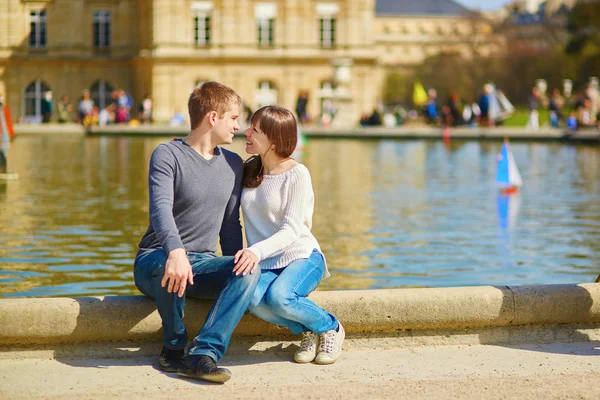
(119, 109)
(573, 111)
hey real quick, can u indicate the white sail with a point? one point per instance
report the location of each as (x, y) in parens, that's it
(505, 103)
(514, 177)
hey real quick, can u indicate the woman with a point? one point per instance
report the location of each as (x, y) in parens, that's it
(277, 202)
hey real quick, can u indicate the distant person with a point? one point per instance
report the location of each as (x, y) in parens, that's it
(301, 107)
(484, 106)
(92, 117)
(278, 204)
(591, 93)
(584, 114)
(375, 118)
(431, 112)
(533, 105)
(194, 190)
(64, 109)
(555, 108)
(85, 106)
(124, 106)
(46, 107)
(572, 121)
(455, 115)
(145, 114)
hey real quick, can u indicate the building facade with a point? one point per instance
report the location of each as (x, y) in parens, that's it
(268, 51)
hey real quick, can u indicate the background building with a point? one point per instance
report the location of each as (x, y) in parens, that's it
(269, 51)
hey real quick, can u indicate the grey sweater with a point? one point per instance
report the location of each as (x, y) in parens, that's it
(193, 200)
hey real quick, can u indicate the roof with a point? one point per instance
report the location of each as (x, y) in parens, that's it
(419, 7)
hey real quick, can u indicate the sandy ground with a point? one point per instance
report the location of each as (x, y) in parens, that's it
(547, 371)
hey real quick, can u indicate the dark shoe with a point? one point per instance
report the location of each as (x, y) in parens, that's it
(171, 360)
(204, 367)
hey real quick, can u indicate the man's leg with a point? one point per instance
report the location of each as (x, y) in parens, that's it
(149, 270)
(213, 278)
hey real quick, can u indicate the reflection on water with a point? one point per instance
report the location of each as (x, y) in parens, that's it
(388, 214)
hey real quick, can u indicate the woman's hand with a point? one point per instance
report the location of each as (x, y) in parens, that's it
(245, 262)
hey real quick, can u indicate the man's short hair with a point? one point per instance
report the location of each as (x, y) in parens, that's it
(211, 96)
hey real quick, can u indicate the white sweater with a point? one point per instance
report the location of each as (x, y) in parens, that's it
(278, 218)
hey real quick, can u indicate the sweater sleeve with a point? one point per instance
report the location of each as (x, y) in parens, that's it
(299, 196)
(161, 179)
(230, 235)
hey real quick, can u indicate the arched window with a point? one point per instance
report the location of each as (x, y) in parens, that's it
(326, 95)
(266, 94)
(34, 92)
(101, 93)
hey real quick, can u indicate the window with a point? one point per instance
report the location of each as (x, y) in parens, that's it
(202, 29)
(37, 33)
(265, 32)
(327, 32)
(327, 18)
(34, 92)
(265, 19)
(101, 23)
(266, 94)
(101, 92)
(202, 11)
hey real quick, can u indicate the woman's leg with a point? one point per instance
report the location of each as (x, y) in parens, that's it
(286, 297)
(263, 312)
(259, 308)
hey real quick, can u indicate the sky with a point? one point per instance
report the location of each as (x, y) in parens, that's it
(483, 5)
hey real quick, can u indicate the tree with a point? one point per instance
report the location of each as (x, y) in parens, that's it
(397, 89)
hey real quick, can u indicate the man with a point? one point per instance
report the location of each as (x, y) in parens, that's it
(195, 189)
(534, 103)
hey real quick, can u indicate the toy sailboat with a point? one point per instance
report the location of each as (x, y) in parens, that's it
(508, 177)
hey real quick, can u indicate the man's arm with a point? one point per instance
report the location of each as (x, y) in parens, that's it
(231, 229)
(161, 178)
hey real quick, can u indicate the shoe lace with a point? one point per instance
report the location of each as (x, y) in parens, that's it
(327, 341)
(308, 341)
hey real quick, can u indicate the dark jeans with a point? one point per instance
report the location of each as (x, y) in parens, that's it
(213, 279)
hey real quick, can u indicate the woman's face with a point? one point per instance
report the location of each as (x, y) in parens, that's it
(256, 140)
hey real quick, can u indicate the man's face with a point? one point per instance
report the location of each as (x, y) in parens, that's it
(225, 127)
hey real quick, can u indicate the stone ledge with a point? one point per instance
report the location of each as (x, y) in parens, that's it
(97, 319)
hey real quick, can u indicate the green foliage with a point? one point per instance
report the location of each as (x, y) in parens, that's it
(514, 72)
(397, 89)
(584, 26)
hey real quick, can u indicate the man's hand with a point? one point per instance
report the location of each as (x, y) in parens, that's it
(245, 262)
(178, 272)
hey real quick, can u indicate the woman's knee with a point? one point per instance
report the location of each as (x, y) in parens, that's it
(280, 298)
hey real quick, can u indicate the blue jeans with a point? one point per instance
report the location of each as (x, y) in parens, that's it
(213, 279)
(284, 301)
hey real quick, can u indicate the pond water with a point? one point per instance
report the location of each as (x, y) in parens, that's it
(388, 214)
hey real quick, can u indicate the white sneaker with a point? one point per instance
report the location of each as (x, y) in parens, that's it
(330, 347)
(308, 348)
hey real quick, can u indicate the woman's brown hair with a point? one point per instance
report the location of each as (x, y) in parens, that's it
(279, 124)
